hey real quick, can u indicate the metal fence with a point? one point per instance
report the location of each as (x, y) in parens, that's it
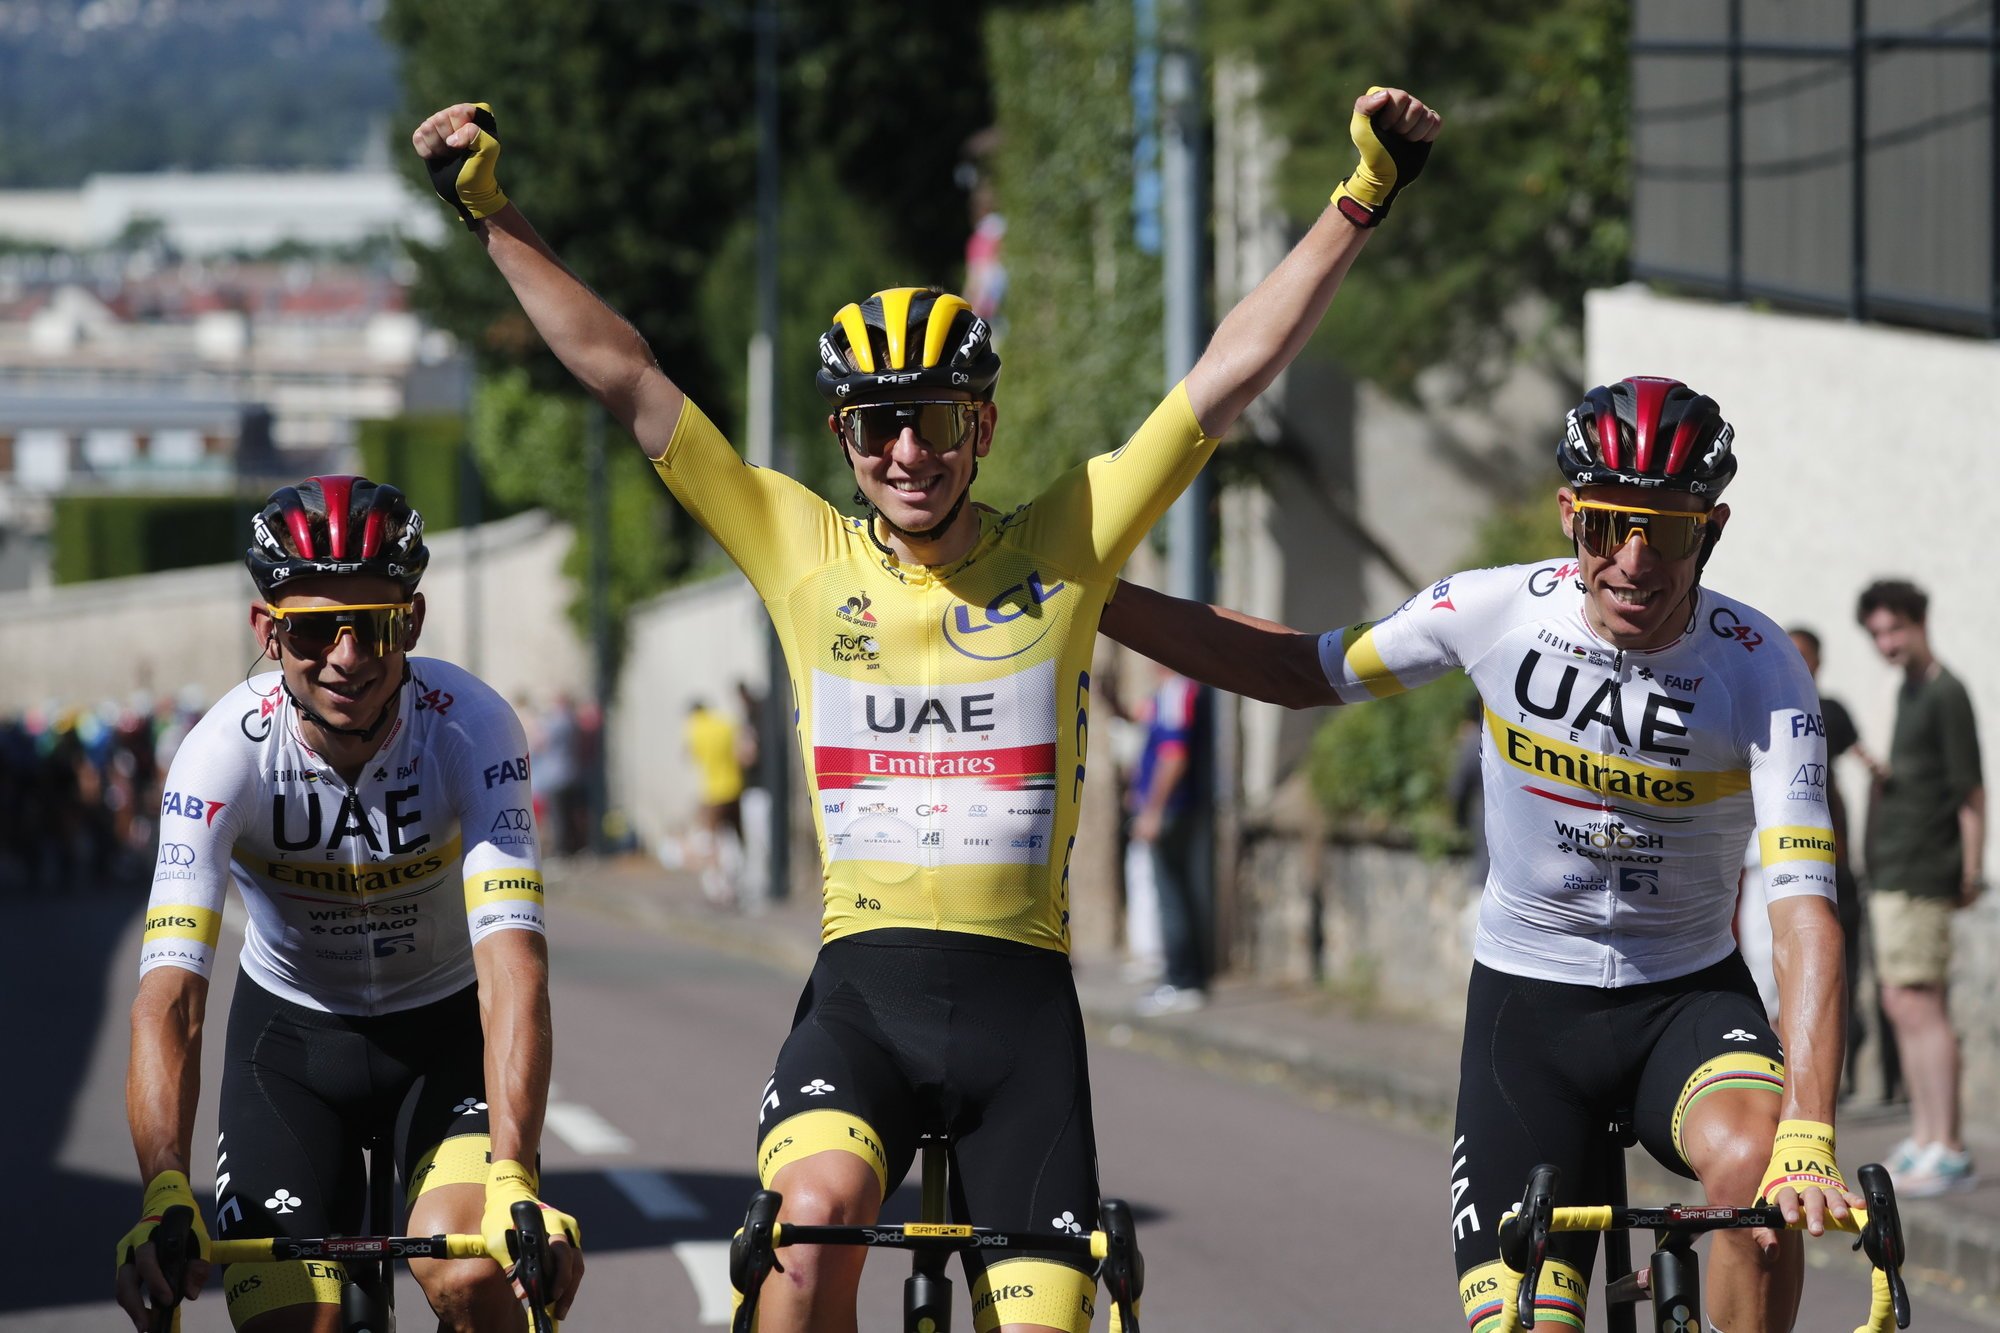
(1836, 155)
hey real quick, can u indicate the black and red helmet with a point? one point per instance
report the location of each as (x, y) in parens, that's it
(905, 339)
(1647, 430)
(336, 525)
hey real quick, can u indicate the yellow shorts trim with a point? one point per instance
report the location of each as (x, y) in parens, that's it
(459, 1160)
(1033, 1291)
(1739, 1069)
(1488, 1290)
(257, 1289)
(809, 1132)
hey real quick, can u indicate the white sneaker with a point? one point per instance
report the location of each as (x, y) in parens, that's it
(1170, 1000)
(1938, 1170)
(1902, 1158)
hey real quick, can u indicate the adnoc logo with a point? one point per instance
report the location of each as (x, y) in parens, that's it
(989, 633)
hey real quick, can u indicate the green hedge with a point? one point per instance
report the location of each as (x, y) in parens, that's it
(110, 536)
(424, 456)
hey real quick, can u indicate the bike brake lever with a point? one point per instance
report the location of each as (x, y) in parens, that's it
(170, 1249)
(534, 1269)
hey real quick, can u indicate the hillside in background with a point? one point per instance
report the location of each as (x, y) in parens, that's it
(141, 85)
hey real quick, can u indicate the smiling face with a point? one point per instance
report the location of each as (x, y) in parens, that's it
(914, 482)
(347, 682)
(1635, 597)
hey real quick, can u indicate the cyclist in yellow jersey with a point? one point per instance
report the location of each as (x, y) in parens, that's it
(939, 656)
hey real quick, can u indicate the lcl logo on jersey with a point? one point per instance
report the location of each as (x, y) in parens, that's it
(991, 633)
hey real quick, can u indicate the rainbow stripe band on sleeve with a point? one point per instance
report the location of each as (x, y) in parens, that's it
(1739, 1069)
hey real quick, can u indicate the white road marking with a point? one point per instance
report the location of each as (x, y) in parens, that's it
(707, 1264)
(584, 1130)
(655, 1194)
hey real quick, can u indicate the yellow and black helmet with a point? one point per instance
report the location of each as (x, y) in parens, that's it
(906, 338)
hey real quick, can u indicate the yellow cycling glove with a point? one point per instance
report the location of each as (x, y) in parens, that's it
(167, 1190)
(509, 1183)
(467, 178)
(1802, 1157)
(1388, 163)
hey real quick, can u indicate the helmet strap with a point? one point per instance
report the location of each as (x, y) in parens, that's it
(366, 733)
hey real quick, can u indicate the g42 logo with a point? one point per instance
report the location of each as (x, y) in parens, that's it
(1724, 623)
(436, 701)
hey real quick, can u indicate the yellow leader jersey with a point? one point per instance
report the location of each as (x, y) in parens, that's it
(942, 712)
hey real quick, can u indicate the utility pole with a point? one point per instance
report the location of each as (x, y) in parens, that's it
(773, 739)
(598, 792)
(1190, 527)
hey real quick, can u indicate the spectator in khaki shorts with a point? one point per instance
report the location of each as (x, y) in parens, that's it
(1927, 839)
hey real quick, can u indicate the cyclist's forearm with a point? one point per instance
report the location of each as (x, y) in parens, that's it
(514, 1013)
(1267, 329)
(163, 1080)
(595, 343)
(1807, 953)
(1229, 650)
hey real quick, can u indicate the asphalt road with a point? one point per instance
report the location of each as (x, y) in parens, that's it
(1257, 1209)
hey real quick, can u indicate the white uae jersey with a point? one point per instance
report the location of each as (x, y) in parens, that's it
(1621, 787)
(350, 890)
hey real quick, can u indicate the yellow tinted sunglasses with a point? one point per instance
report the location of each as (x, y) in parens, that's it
(1603, 529)
(311, 631)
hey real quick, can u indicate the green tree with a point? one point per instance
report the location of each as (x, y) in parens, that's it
(629, 137)
(1522, 209)
(1084, 361)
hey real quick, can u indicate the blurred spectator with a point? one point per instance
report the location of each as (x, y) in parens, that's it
(712, 743)
(756, 800)
(1842, 738)
(558, 777)
(1162, 802)
(79, 791)
(1926, 847)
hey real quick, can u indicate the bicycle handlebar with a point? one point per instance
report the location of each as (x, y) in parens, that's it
(1878, 1224)
(533, 1268)
(280, 1248)
(753, 1250)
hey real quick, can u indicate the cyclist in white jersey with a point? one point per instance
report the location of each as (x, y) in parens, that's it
(1638, 729)
(373, 810)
